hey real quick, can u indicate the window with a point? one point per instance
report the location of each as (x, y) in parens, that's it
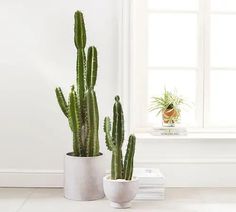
(188, 46)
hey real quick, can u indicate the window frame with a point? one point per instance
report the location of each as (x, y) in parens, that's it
(126, 85)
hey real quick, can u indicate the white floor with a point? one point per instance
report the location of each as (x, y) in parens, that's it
(177, 200)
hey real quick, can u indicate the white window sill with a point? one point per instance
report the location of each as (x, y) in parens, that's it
(191, 136)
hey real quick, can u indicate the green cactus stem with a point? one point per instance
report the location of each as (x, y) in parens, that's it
(129, 156)
(107, 130)
(61, 101)
(82, 109)
(92, 148)
(115, 141)
(74, 121)
(80, 79)
(118, 123)
(92, 67)
(79, 30)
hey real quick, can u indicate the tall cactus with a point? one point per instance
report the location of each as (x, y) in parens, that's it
(82, 109)
(114, 142)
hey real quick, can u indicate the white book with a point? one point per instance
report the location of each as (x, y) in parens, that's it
(168, 134)
(176, 128)
(151, 193)
(155, 190)
(149, 197)
(149, 176)
(151, 184)
(169, 131)
(147, 186)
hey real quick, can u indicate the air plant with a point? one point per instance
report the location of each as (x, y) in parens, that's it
(169, 105)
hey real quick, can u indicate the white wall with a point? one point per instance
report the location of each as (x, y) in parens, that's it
(195, 160)
(37, 54)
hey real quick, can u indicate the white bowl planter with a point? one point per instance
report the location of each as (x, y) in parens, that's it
(120, 192)
(83, 178)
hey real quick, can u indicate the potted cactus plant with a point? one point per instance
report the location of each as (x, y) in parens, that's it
(120, 186)
(84, 167)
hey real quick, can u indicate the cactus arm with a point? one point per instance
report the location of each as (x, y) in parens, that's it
(91, 103)
(117, 138)
(74, 121)
(117, 165)
(121, 165)
(118, 123)
(61, 101)
(81, 84)
(79, 31)
(92, 139)
(88, 125)
(76, 150)
(129, 158)
(91, 67)
(73, 111)
(80, 73)
(107, 130)
(97, 147)
(113, 177)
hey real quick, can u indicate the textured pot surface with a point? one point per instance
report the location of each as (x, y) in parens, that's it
(83, 178)
(120, 192)
(167, 114)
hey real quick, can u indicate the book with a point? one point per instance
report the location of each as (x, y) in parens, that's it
(149, 176)
(151, 190)
(158, 131)
(150, 197)
(151, 184)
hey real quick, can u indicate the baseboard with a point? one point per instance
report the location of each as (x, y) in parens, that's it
(31, 178)
(183, 173)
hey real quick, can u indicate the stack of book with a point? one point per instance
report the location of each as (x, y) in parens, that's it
(169, 131)
(151, 184)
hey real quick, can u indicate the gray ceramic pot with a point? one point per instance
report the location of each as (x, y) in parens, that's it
(83, 177)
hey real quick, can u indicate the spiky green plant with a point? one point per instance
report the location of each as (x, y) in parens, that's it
(114, 142)
(169, 100)
(82, 109)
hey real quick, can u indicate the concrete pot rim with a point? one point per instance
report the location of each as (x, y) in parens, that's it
(108, 178)
(70, 155)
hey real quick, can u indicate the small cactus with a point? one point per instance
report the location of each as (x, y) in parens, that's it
(82, 109)
(114, 142)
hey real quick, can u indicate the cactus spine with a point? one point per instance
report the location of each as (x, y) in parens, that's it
(115, 141)
(82, 109)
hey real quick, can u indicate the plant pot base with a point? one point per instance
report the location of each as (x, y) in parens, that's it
(120, 205)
